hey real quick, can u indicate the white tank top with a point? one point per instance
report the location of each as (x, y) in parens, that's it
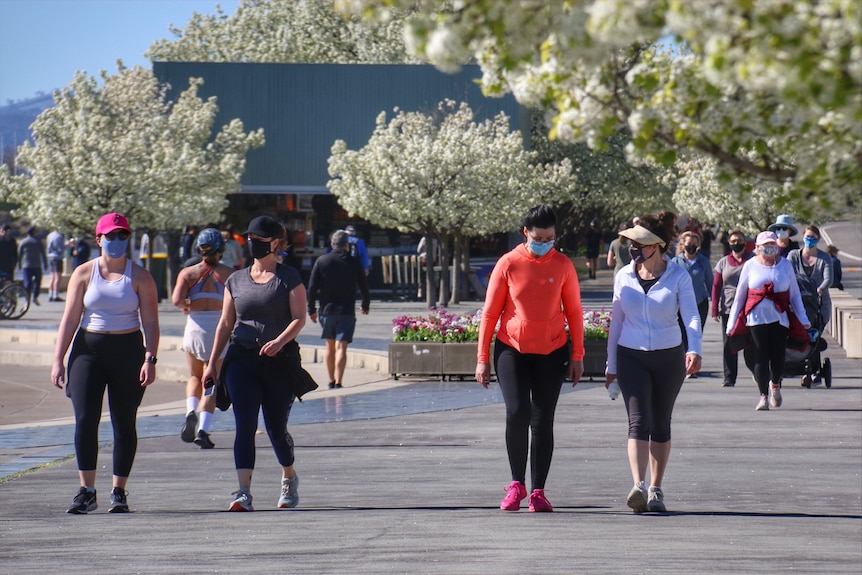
(110, 306)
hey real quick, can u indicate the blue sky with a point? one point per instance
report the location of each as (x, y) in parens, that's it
(44, 42)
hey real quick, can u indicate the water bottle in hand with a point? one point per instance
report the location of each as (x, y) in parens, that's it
(614, 390)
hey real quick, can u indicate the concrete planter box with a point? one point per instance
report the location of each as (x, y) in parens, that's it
(459, 359)
(437, 359)
(595, 357)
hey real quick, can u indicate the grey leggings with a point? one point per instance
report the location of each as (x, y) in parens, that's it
(650, 382)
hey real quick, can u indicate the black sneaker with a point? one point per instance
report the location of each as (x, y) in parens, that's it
(331, 385)
(83, 503)
(118, 501)
(203, 439)
(188, 432)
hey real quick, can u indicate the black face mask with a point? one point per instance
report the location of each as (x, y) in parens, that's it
(691, 249)
(259, 249)
(637, 255)
(737, 248)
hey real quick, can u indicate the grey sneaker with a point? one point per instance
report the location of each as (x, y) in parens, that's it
(774, 395)
(118, 501)
(655, 502)
(637, 499)
(83, 503)
(289, 492)
(763, 404)
(242, 501)
(187, 433)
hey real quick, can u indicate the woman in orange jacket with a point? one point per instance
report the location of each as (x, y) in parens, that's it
(533, 292)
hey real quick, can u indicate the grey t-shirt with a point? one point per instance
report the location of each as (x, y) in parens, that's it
(262, 310)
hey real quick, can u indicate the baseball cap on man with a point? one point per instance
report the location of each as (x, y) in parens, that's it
(110, 222)
(265, 227)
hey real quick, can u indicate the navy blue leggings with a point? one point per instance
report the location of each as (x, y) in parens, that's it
(256, 382)
(99, 361)
(531, 386)
(650, 382)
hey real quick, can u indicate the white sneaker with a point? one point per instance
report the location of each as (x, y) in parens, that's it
(242, 501)
(637, 499)
(774, 395)
(763, 404)
(655, 502)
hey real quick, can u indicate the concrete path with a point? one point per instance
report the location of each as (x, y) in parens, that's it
(407, 476)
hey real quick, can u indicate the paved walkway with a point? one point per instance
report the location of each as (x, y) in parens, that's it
(406, 477)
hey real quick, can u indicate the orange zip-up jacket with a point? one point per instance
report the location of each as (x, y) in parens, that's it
(525, 293)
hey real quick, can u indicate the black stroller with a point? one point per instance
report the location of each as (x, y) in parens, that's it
(807, 363)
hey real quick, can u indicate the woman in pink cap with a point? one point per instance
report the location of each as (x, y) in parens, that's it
(768, 306)
(110, 302)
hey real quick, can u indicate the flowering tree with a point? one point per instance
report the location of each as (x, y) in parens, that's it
(121, 147)
(283, 31)
(445, 176)
(771, 90)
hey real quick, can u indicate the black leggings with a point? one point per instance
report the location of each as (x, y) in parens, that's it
(100, 361)
(770, 344)
(256, 382)
(531, 386)
(650, 382)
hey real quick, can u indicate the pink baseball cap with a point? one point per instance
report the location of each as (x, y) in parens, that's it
(110, 222)
(765, 238)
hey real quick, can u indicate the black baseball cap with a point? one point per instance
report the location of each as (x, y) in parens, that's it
(265, 227)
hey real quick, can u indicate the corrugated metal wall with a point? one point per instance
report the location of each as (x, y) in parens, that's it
(304, 108)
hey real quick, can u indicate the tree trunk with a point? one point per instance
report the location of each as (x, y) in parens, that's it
(457, 246)
(465, 266)
(444, 271)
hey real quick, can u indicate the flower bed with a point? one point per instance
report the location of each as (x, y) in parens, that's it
(421, 344)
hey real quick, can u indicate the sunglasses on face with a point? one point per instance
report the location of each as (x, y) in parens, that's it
(118, 234)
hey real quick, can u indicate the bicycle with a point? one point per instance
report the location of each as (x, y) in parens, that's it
(14, 299)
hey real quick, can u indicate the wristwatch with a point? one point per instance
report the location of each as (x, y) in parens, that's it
(151, 359)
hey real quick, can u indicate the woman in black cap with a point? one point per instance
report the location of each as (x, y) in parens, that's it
(263, 312)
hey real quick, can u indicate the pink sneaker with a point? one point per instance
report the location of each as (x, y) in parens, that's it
(538, 502)
(515, 493)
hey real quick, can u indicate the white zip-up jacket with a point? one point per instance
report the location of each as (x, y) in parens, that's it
(648, 321)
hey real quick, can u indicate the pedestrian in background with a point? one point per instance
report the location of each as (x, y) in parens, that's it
(335, 277)
(199, 292)
(593, 242)
(725, 280)
(768, 306)
(646, 351)
(358, 249)
(263, 312)
(784, 230)
(533, 292)
(817, 265)
(233, 256)
(56, 251)
(31, 261)
(618, 251)
(8, 253)
(109, 302)
(80, 252)
(697, 265)
(837, 274)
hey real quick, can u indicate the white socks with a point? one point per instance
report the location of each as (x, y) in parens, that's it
(192, 403)
(205, 421)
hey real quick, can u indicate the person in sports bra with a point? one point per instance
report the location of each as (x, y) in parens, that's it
(199, 292)
(112, 313)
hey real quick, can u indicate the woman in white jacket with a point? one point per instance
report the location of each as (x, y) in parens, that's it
(646, 350)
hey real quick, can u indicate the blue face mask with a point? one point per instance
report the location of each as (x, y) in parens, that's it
(540, 248)
(810, 242)
(115, 248)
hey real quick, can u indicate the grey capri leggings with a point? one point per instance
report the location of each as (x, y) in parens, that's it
(650, 382)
